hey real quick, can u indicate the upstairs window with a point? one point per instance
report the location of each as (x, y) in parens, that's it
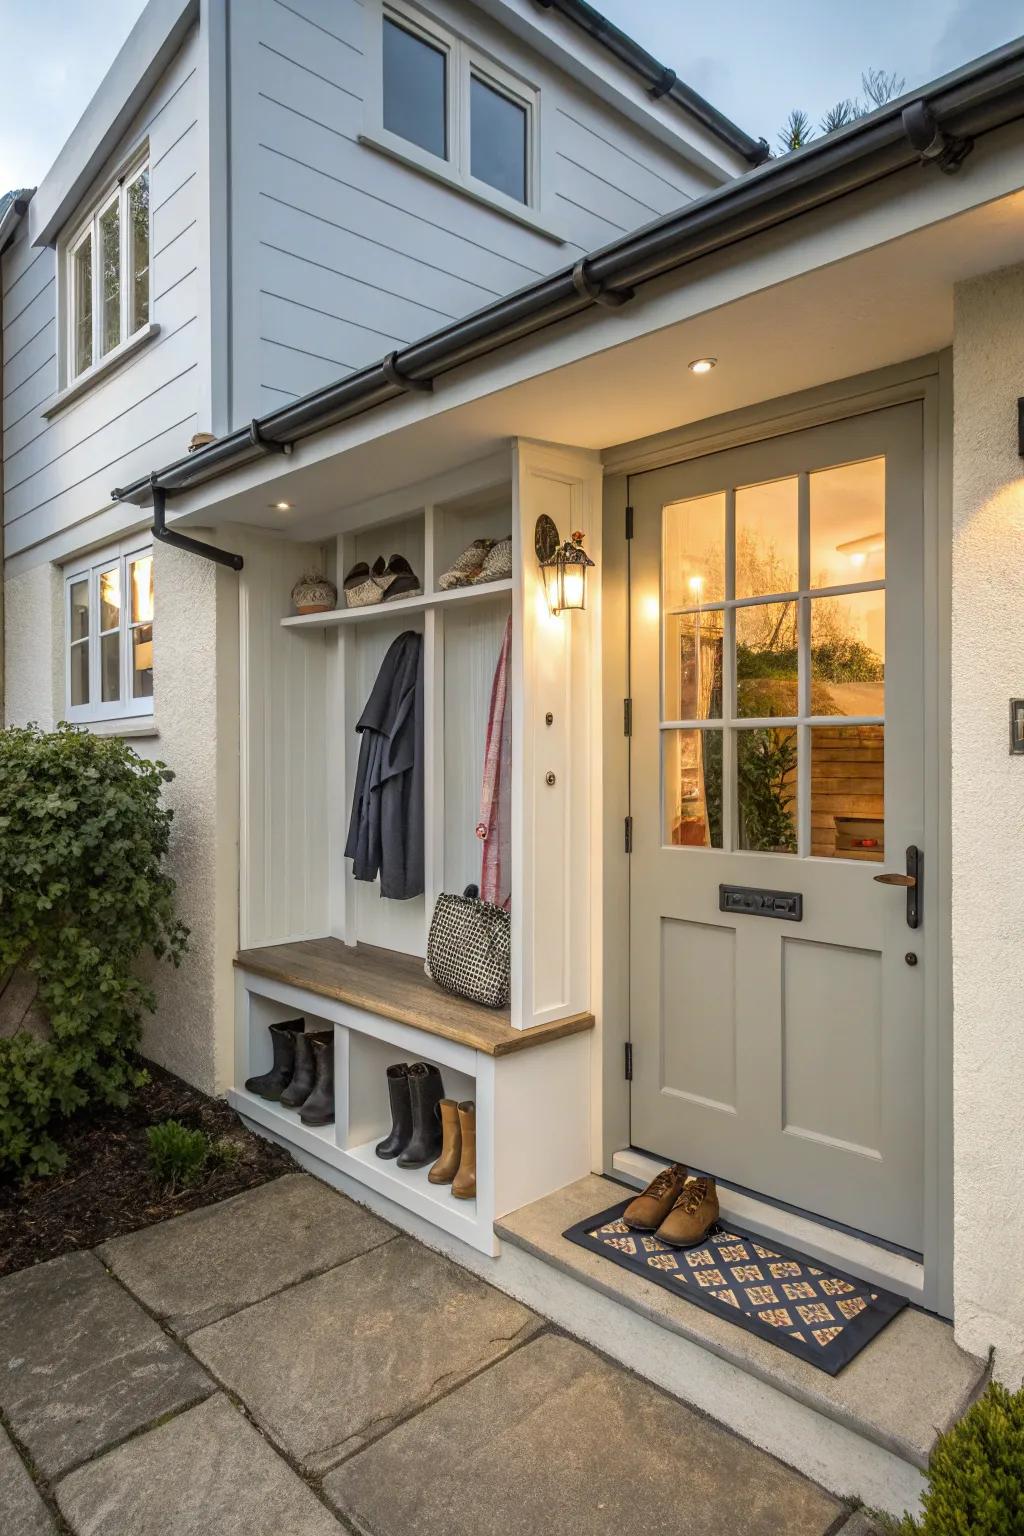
(456, 106)
(109, 611)
(106, 280)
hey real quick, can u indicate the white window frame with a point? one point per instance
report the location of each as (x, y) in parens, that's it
(90, 568)
(464, 61)
(117, 190)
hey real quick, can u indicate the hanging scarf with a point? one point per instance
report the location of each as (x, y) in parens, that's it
(494, 827)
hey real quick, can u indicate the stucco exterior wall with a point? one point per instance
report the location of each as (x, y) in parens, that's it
(988, 820)
(196, 726)
(34, 647)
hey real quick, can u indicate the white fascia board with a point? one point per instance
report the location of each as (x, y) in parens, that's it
(151, 44)
(584, 59)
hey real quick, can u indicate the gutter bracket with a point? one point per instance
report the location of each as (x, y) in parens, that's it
(265, 443)
(664, 85)
(588, 287)
(934, 146)
(389, 368)
(181, 540)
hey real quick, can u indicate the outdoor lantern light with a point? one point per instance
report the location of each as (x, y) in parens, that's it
(563, 566)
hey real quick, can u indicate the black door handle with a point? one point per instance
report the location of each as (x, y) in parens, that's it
(912, 881)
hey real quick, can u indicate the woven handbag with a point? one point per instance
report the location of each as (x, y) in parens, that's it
(469, 948)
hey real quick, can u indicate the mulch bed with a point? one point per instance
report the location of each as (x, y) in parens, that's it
(107, 1189)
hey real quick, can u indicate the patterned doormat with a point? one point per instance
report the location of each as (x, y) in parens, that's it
(818, 1314)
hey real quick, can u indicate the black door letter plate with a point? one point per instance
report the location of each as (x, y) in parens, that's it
(788, 905)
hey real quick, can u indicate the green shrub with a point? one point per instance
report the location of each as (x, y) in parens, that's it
(976, 1474)
(178, 1156)
(83, 895)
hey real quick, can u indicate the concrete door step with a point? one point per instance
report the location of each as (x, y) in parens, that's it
(867, 1432)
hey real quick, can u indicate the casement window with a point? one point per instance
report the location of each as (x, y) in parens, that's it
(108, 615)
(455, 111)
(105, 279)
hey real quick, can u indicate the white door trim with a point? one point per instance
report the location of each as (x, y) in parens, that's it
(929, 381)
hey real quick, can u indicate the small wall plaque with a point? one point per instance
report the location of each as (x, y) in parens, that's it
(1017, 727)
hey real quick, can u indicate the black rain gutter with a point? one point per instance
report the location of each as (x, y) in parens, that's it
(933, 127)
(658, 78)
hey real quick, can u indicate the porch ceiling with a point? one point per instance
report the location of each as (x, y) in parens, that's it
(890, 303)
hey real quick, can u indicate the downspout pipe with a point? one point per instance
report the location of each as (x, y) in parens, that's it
(177, 540)
(662, 83)
(932, 128)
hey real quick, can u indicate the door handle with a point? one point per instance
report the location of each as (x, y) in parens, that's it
(912, 881)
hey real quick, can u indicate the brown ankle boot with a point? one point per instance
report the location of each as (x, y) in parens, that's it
(464, 1185)
(647, 1212)
(447, 1165)
(693, 1215)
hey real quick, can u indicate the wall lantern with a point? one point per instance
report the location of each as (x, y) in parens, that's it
(563, 566)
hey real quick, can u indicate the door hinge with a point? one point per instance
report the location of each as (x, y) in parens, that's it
(629, 522)
(629, 1061)
(627, 717)
(629, 834)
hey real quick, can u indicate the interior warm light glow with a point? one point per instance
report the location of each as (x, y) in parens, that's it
(142, 590)
(651, 608)
(703, 364)
(859, 557)
(696, 585)
(281, 506)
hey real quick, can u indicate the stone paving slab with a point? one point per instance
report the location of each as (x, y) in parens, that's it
(334, 1361)
(555, 1439)
(22, 1510)
(906, 1387)
(207, 1472)
(197, 1268)
(81, 1365)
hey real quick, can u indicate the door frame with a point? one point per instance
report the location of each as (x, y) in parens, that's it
(928, 380)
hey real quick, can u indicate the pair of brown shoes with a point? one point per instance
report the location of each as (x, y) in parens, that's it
(457, 1164)
(680, 1210)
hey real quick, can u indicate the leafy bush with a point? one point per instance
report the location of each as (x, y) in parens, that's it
(976, 1474)
(83, 895)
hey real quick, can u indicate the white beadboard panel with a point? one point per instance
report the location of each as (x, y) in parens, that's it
(361, 253)
(58, 473)
(472, 642)
(284, 762)
(553, 671)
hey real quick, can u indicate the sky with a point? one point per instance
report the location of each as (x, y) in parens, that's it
(753, 61)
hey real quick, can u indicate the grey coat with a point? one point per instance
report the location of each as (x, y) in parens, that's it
(385, 835)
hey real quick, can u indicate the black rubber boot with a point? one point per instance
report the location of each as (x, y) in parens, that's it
(319, 1107)
(401, 1112)
(270, 1085)
(426, 1091)
(303, 1074)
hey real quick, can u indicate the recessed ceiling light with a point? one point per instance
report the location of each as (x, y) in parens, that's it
(281, 506)
(703, 364)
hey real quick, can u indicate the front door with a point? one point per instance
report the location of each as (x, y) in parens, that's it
(777, 661)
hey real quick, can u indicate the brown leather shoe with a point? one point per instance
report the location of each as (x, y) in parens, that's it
(648, 1211)
(464, 1182)
(693, 1215)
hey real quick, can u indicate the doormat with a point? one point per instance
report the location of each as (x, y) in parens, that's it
(820, 1315)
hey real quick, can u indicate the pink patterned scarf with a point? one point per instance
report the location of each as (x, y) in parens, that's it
(494, 827)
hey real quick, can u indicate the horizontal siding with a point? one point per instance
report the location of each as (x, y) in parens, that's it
(58, 474)
(344, 253)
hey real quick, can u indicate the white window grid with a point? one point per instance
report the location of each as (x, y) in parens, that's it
(91, 570)
(88, 228)
(464, 63)
(730, 723)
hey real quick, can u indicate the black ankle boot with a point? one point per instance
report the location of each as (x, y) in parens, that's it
(319, 1106)
(401, 1112)
(426, 1091)
(270, 1085)
(303, 1073)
